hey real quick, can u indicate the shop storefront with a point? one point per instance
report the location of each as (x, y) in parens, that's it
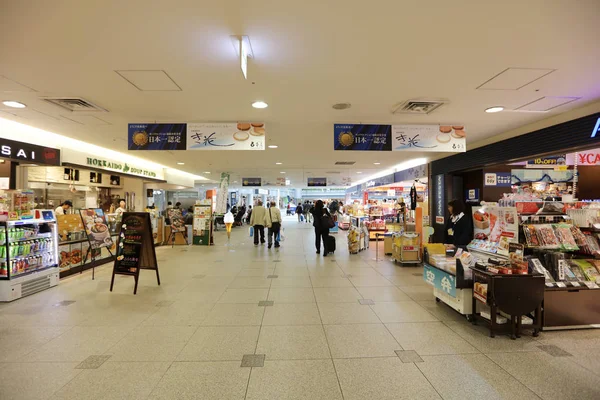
(532, 205)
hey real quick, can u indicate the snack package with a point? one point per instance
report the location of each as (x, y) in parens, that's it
(547, 237)
(565, 273)
(531, 235)
(578, 236)
(577, 270)
(537, 267)
(551, 208)
(565, 237)
(589, 269)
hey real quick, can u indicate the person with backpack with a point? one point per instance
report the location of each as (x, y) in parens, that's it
(322, 222)
(299, 211)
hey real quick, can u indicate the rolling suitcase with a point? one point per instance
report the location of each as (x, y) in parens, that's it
(330, 244)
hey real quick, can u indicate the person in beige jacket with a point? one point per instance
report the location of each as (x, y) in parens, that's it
(273, 222)
(257, 220)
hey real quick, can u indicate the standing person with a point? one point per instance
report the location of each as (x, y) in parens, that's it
(299, 212)
(459, 228)
(321, 231)
(273, 222)
(64, 206)
(122, 207)
(257, 220)
(228, 220)
(308, 208)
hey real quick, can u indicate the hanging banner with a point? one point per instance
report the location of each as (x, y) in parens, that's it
(251, 181)
(443, 138)
(439, 205)
(280, 182)
(226, 136)
(362, 137)
(221, 207)
(317, 182)
(156, 136)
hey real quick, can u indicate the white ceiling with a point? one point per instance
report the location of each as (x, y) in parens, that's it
(308, 56)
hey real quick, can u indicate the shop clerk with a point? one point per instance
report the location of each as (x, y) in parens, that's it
(122, 207)
(458, 229)
(65, 205)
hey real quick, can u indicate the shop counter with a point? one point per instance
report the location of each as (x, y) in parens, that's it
(571, 307)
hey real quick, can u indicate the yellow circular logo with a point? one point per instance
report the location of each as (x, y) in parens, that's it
(346, 139)
(140, 138)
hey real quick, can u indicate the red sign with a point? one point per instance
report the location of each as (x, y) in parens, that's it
(365, 197)
(508, 234)
(408, 248)
(588, 158)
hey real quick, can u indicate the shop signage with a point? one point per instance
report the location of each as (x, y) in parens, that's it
(226, 136)
(472, 195)
(156, 136)
(549, 161)
(440, 209)
(365, 198)
(440, 280)
(588, 158)
(391, 192)
(20, 151)
(251, 181)
(221, 207)
(362, 137)
(411, 174)
(119, 167)
(443, 138)
(497, 179)
(596, 128)
(317, 182)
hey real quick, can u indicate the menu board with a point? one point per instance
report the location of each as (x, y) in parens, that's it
(202, 225)
(177, 221)
(96, 228)
(135, 247)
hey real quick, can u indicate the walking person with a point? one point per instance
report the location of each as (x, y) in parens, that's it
(308, 212)
(299, 211)
(321, 228)
(273, 222)
(257, 220)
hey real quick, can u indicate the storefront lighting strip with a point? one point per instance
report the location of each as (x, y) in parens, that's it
(25, 133)
(399, 167)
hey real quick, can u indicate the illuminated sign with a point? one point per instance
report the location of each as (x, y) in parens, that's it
(596, 128)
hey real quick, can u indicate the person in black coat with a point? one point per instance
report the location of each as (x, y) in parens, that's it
(321, 232)
(459, 230)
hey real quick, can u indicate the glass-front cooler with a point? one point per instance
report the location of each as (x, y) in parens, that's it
(28, 256)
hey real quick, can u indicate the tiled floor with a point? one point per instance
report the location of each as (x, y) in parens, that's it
(342, 327)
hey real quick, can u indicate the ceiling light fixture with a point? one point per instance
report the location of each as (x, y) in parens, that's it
(180, 163)
(494, 109)
(282, 172)
(278, 163)
(207, 172)
(358, 172)
(377, 163)
(13, 104)
(273, 146)
(260, 104)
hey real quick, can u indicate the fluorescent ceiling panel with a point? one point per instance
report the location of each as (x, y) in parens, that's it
(547, 103)
(515, 78)
(8, 85)
(152, 80)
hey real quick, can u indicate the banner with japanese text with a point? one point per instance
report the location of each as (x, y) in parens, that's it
(226, 136)
(362, 137)
(443, 138)
(440, 280)
(156, 136)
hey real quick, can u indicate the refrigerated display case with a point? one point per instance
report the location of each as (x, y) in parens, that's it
(28, 256)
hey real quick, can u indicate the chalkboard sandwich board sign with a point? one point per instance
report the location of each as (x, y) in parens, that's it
(135, 248)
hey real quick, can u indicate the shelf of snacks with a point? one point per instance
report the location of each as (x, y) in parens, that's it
(28, 253)
(374, 227)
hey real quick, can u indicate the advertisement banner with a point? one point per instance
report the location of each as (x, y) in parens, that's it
(440, 280)
(362, 137)
(221, 207)
(497, 179)
(440, 206)
(497, 225)
(280, 182)
(550, 162)
(472, 195)
(156, 136)
(226, 136)
(443, 138)
(251, 181)
(96, 228)
(202, 223)
(317, 182)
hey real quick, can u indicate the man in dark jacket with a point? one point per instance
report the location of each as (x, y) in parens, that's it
(321, 232)
(299, 211)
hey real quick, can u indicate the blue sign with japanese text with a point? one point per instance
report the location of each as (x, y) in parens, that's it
(156, 136)
(440, 280)
(251, 181)
(317, 182)
(362, 137)
(498, 179)
(472, 195)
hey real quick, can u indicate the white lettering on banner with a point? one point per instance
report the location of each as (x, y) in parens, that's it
(430, 276)
(7, 151)
(490, 180)
(446, 285)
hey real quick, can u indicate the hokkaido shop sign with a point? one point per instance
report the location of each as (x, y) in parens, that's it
(434, 138)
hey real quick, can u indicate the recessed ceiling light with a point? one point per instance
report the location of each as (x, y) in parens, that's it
(282, 172)
(278, 163)
(377, 163)
(273, 146)
(494, 109)
(358, 172)
(13, 104)
(207, 172)
(180, 163)
(234, 181)
(260, 104)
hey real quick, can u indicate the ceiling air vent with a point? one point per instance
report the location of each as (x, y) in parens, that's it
(345, 162)
(74, 104)
(417, 106)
